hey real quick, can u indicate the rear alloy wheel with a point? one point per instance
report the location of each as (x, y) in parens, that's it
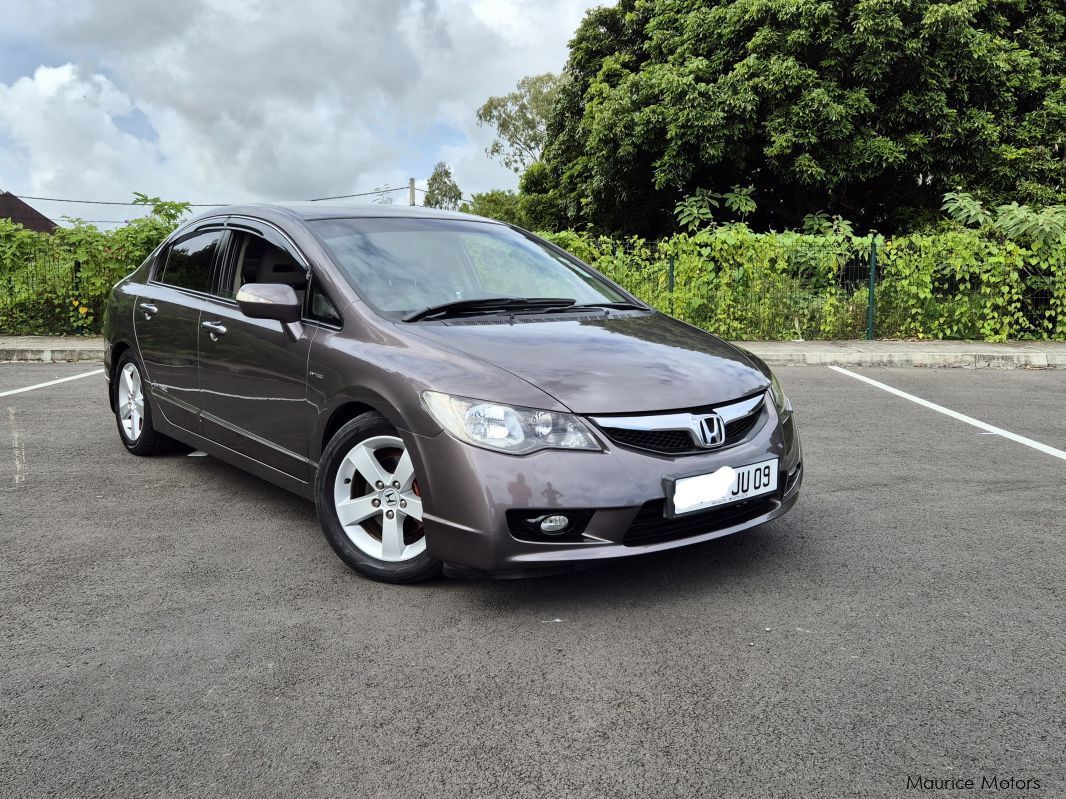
(133, 413)
(370, 503)
(130, 402)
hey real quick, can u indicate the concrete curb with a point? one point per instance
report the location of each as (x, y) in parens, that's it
(52, 356)
(958, 360)
(49, 349)
(930, 354)
(934, 354)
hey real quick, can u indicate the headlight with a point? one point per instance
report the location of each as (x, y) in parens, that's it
(505, 427)
(784, 406)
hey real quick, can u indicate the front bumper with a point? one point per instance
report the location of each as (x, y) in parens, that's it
(468, 491)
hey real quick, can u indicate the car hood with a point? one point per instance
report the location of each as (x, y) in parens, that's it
(625, 363)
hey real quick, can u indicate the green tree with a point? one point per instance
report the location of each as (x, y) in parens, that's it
(521, 120)
(504, 206)
(535, 206)
(871, 109)
(442, 191)
(166, 212)
(538, 198)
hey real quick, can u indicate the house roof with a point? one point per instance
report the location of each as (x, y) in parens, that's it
(11, 207)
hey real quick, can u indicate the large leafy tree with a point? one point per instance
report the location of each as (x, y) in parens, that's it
(534, 206)
(520, 118)
(868, 108)
(441, 189)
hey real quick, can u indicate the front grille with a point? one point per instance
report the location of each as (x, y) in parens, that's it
(736, 430)
(650, 525)
(665, 441)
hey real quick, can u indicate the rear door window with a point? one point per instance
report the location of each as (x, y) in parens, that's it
(189, 262)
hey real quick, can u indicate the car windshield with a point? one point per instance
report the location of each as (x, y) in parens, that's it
(403, 266)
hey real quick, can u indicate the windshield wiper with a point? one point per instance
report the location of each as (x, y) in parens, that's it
(488, 304)
(620, 306)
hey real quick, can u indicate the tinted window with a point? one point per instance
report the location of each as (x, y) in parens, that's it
(255, 260)
(189, 262)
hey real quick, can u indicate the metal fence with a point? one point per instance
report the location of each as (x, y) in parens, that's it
(42, 292)
(770, 286)
(809, 287)
(42, 269)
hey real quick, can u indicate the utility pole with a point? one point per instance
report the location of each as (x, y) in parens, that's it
(411, 190)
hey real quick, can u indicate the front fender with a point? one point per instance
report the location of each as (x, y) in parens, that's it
(368, 366)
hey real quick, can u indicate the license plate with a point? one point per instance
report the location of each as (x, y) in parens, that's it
(727, 485)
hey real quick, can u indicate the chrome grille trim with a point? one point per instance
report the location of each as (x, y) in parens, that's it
(684, 421)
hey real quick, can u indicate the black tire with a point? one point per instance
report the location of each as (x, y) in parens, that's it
(149, 441)
(416, 569)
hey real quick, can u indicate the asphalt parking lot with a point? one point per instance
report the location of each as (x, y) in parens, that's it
(172, 626)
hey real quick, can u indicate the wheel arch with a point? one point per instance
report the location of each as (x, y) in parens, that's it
(118, 349)
(349, 408)
(340, 417)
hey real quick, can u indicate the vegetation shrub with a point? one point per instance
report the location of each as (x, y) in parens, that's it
(961, 284)
(992, 275)
(57, 284)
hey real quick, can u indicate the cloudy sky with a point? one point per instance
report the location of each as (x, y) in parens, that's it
(221, 101)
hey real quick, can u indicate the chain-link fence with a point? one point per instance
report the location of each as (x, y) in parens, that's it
(813, 288)
(736, 283)
(41, 292)
(793, 286)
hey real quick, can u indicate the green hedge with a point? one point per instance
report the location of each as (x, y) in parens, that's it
(740, 284)
(744, 285)
(56, 284)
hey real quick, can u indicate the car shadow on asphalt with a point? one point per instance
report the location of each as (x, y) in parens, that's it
(724, 565)
(768, 551)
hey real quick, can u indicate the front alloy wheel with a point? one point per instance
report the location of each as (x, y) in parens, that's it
(369, 503)
(377, 502)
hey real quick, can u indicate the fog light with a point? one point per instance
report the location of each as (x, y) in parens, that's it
(554, 524)
(548, 525)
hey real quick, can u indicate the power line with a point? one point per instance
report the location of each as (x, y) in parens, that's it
(79, 219)
(461, 197)
(105, 202)
(360, 194)
(105, 221)
(375, 192)
(204, 205)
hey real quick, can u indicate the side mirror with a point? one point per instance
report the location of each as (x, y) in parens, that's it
(269, 301)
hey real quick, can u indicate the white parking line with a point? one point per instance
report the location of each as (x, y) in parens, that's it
(51, 383)
(1055, 453)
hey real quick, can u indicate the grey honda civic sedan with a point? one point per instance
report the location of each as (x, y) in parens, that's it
(450, 391)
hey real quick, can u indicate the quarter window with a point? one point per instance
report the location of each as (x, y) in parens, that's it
(189, 262)
(320, 307)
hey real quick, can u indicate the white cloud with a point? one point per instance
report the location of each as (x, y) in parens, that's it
(62, 134)
(266, 99)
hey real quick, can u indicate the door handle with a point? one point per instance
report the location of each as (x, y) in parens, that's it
(215, 329)
(149, 309)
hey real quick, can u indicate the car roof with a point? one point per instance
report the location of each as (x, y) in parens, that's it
(306, 211)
